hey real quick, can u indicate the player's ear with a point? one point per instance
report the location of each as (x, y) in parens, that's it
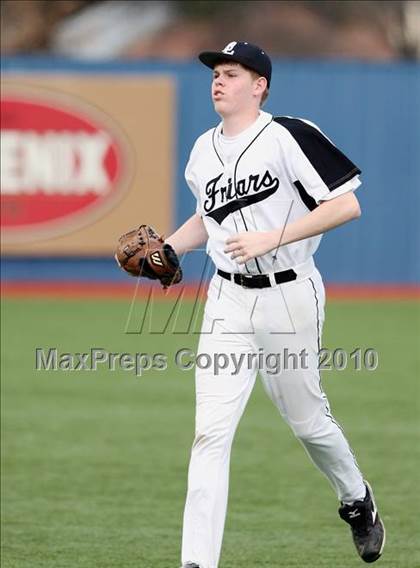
(260, 85)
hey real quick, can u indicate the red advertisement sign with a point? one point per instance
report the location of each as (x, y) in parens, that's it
(84, 158)
(56, 163)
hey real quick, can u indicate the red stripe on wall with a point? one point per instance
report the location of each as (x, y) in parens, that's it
(90, 290)
(373, 291)
(119, 290)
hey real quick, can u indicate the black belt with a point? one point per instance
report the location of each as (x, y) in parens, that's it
(258, 280)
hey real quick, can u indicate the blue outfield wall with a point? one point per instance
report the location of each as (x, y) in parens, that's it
(371, 111)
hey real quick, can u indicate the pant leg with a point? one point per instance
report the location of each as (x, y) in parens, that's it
(298, 393)
(220, 402)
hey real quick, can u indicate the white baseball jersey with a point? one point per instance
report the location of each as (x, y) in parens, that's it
(273, 173)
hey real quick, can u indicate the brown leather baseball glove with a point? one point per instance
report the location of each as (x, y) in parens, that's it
(142, 252)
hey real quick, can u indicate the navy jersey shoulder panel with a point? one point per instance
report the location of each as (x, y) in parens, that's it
(307, 199)
(331, 164)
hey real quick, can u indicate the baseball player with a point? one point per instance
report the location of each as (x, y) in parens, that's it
(266, 189)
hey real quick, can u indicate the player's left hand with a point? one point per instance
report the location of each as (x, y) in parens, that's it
(143, 252)
(246, 246)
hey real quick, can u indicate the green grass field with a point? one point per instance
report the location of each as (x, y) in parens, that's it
(94, 463)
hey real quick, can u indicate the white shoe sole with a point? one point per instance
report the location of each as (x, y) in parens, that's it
(372, 496)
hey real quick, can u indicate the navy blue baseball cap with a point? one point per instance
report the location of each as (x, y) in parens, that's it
(242, 52)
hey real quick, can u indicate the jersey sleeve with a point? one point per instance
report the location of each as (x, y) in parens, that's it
(191, 179)
(320, 170)
(350, 185)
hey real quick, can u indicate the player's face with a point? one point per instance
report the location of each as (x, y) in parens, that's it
(233, 89)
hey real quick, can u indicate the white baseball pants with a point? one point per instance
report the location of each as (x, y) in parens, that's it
(243, 321)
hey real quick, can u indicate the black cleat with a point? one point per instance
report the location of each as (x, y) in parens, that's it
(366, 526)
